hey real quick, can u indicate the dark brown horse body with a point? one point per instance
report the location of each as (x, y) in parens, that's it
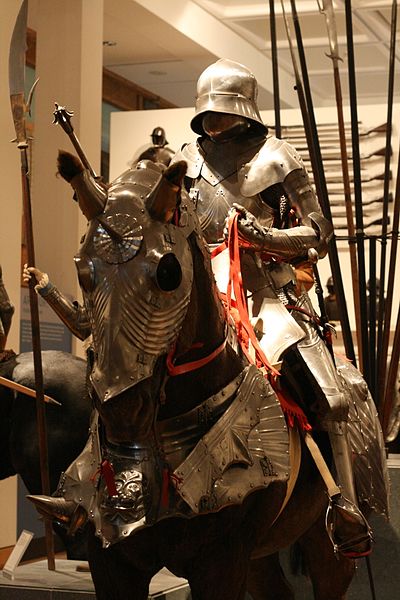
(221, 552)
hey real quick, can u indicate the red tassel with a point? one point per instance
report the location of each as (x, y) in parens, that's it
(107, 472)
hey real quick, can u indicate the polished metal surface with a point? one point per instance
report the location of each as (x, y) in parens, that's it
(228, 87)
(72, 314)
(245, 450)
(133, 320)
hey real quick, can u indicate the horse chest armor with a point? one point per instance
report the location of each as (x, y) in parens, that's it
(210, 469)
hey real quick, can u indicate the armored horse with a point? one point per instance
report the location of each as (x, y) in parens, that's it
(191, 463)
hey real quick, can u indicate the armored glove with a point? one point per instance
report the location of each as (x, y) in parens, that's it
(41, 278)
(288, 244)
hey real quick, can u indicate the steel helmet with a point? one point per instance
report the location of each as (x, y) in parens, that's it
(227, 87)
(158, 136)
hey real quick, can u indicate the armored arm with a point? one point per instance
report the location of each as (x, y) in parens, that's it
(278, 166)
(72, 314)
(288, 244)
(298, 190)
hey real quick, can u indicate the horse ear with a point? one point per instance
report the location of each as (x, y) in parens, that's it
(165, 199)
(91, 195)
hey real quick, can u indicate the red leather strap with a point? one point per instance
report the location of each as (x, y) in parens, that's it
(193, 365)
(236, 283)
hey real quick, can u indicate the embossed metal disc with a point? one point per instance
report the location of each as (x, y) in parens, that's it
(116, 251)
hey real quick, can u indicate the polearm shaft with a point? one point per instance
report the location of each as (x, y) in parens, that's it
(372, 317)
(389, 391)
(363, 352)
(275, 72)
(307, 110)
(326, 7)
(386, 407)
(16, 80)
(385, 306)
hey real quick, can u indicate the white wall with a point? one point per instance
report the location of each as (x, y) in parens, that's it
(131, 131)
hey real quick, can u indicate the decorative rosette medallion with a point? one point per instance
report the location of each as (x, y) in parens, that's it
(120, 241)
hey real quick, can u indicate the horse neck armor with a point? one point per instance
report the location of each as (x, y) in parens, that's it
(133, 320)
(211, 457)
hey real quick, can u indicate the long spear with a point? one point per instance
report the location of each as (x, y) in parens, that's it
(19, 109)
(320, 181)
(389, 390)
(326, 8)
(363, 352)
(275, 75)
(385, 306)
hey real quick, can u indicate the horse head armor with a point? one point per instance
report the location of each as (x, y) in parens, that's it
(136, 288)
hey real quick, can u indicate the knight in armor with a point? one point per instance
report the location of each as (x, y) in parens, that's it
(159, 151)
(236, 165)
(6, 315)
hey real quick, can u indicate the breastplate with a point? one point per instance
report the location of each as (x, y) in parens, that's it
(217, 188)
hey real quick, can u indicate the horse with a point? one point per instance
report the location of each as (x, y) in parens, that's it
(67, 425)
(192, 466)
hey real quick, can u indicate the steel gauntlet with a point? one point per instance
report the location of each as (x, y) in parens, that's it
(285, 243)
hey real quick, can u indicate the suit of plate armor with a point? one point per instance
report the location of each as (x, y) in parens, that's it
(267, 178)
(159, 152)
(234, 161)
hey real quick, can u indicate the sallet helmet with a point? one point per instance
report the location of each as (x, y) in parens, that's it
(228, 87)
(158, 136)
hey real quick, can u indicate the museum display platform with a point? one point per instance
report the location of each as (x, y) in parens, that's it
(34, 581)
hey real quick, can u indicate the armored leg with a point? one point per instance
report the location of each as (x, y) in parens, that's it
(346, 525)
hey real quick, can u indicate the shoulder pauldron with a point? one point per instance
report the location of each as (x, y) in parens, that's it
(275, 160)
(193, 157)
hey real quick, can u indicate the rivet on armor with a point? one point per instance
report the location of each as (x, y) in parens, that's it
(229, 498)
(251, 485)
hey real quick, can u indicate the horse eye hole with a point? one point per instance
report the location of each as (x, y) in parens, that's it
(169, 273)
